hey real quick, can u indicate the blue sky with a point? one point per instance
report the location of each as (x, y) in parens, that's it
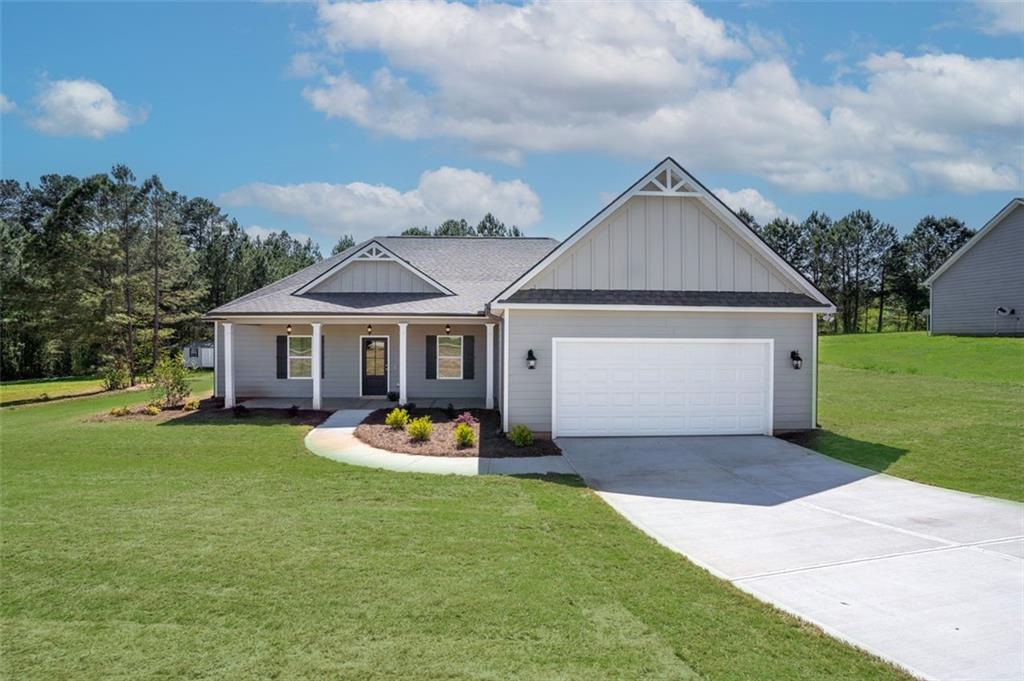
(324, 119)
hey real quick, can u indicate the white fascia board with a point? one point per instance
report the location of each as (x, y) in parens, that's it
(659, 308)
(989, 226)
(353, 258)
(328, 319)
(713, 203)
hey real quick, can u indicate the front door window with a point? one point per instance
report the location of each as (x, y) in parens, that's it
(375, 366)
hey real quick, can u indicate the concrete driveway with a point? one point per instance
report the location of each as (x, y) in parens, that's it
(928, 578)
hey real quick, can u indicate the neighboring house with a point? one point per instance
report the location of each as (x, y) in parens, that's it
(663, 314)
(979, 291)
(198, 355)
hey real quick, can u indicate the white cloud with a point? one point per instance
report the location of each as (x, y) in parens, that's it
(647, 80)
(81, 108)
(763, 210)
(366, 210)
(6, 105)
(261, 232)
(1000, 18)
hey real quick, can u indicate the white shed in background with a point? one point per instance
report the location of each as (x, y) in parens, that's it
(198, 355)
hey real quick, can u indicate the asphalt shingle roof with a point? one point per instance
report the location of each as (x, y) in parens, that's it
(475, 268)
(694, 298)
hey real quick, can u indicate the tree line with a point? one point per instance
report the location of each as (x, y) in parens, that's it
(110, 271)
(874, 276)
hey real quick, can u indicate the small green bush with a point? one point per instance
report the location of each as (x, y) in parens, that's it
(520, 435)
(43, 397)
(152, 409)
(397, 418)
(464, 435)
(115, 377)
(120, 411)
(170, 380)
(420, 429)
(192, 404)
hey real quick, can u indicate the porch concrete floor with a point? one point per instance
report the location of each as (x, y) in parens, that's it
(368, 403)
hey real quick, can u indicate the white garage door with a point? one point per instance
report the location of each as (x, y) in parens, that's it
(661, 387)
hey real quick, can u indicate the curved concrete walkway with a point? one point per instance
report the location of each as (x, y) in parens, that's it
(335, 439)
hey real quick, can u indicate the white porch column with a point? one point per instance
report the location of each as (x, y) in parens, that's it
(489, 398)
(403, 395)
(318, 358)
(229, 364)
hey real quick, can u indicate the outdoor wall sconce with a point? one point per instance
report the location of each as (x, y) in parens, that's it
(531, 359)
(798, 361)
(447, 329)
(369, 329)
(288, 329)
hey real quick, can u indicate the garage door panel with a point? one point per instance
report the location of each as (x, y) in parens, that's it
(661, 387)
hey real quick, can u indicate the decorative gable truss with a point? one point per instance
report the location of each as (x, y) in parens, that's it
(372, 268)
(666, 232)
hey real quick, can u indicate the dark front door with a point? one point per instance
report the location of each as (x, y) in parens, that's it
(375, 366)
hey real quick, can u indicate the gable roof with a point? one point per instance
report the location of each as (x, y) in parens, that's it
(372, 251)
(670, 179)
(982, 233)
(473, 269)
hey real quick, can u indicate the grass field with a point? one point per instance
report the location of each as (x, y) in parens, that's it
(214, 547)
(942, 410)
(33, 389)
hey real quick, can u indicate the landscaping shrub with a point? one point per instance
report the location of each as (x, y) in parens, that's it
(239, 410)
(520, 435)
(152, 409)
(467, 418)
(43, 397)
(191, 405)
(397, 418)
(449, 412)
(115, 377)
(293, 410)
(120, 411)
(170, 379)
(464, 435)
(420, 429)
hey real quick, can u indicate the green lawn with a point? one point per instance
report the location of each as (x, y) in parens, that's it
(214, 547)
(34, 389)
(943, 410)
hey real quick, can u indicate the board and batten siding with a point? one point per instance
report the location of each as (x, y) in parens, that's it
(529, 391)
(378, 276)
(656, 243)
(989, 275)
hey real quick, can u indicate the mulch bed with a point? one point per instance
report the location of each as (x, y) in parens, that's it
(211, 411)
(489, 442)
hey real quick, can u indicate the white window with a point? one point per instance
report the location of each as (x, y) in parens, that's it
(300, 357)
(449, 357)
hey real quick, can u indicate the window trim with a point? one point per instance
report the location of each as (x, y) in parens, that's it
(462, 358)
(289, 356)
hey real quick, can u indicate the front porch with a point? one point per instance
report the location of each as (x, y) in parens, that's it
(357, 362)
(362, 403)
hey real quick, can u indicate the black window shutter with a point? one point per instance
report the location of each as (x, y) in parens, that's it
(282, 356)
(323, 364)
(468, 357)
(431, 356)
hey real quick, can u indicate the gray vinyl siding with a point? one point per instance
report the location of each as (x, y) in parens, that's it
(374, 277)
(255, 353)
(421, 386)
(653, 244)
(255, 350)
(529, 393)
(989, 275)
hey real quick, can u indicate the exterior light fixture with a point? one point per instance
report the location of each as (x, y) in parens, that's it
(288, 329)
(447, 329)
(531, 359)
(797, 360)
(369, 329)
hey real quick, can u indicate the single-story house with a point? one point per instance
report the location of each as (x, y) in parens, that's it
(979, 290)
(198, 355)
(663, 314)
